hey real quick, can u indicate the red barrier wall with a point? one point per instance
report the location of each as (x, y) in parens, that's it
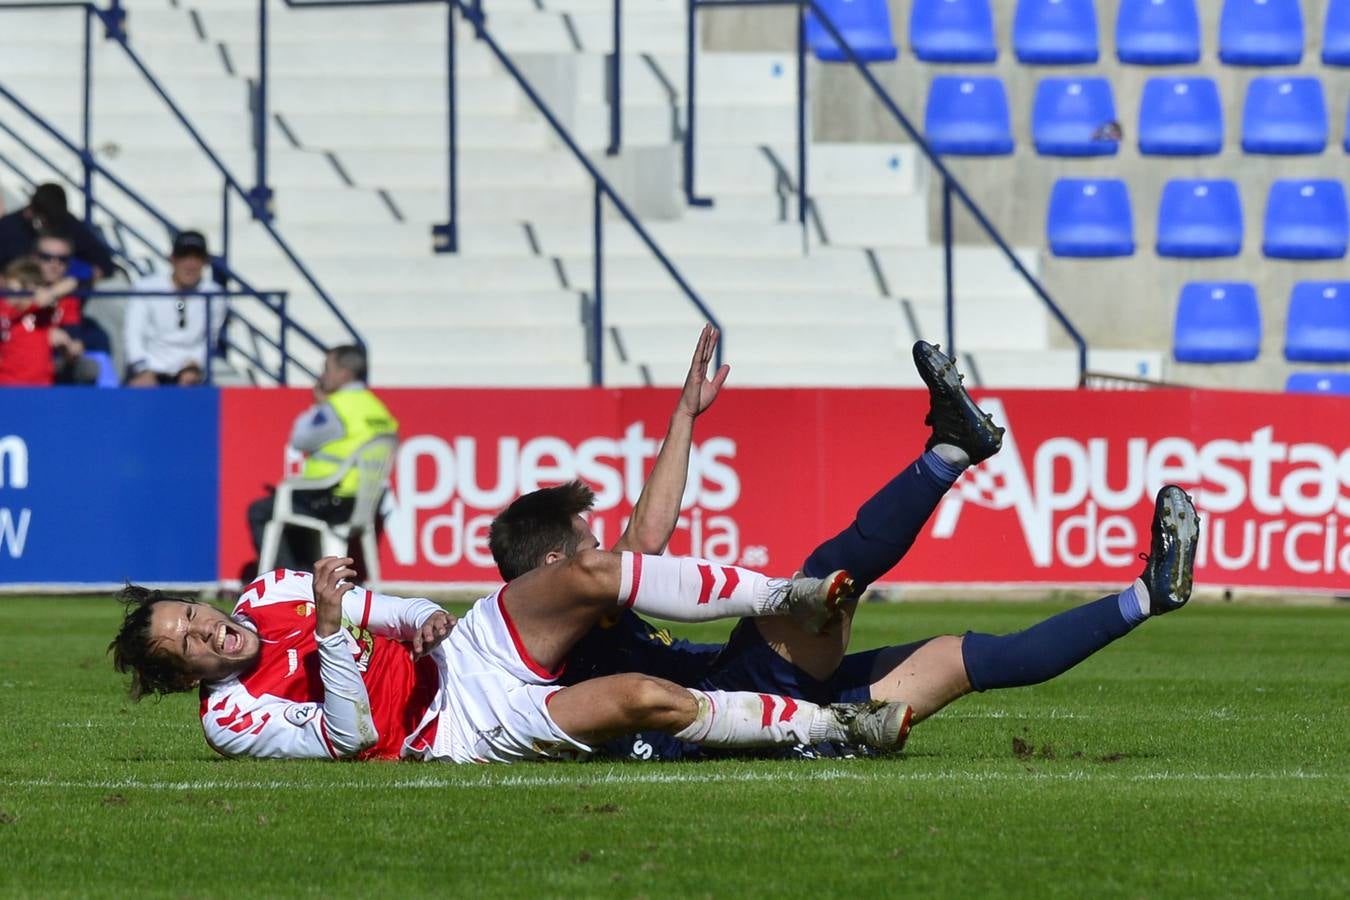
(1068, 501)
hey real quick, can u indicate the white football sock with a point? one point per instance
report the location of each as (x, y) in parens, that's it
(743, 719)
(952, 454)
(694, 590)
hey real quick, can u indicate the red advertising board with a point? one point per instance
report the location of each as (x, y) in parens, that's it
(1067, 501)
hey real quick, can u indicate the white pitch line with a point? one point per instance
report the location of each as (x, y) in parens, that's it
(620, 778)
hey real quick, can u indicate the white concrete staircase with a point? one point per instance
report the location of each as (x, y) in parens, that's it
(358, 163)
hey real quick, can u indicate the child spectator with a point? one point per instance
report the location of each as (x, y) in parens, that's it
(30, 331)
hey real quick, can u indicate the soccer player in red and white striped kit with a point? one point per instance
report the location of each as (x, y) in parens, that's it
(314, 667)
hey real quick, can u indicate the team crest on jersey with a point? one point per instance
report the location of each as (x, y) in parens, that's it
(304, 610)
(362, 643)
(301, 713)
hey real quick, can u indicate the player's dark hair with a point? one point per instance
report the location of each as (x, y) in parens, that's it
(352, 358)
(537, 524)
(131, 651)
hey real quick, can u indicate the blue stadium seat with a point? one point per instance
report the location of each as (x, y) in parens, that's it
(864, 24)
(1180, 117)
(968, 117)
(1318, 328)
(1200, 218)
(1284, 115)
(1217, 322)
(1347, 128)
(1306, 219)
(1261, 33)
(1158, 32)
(1336, 34)
(107, 372)
(1055, 32)
(1319, 383)
(1067, 115)
(952, 31)
(1090, 217)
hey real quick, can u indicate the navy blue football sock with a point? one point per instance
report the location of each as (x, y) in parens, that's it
(1044, 650)
(887, 524)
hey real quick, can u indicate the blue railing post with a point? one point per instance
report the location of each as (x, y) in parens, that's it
(478, 18)
(114, 20)
(690, 106)
(616, 84)
(225, 223)
(801, 120)
(948, 269)
(260, 198)
(87, 114)
(281, 339)
(445, 236)
(598, 291)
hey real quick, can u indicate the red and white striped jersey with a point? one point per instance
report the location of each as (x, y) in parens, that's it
(276, 709)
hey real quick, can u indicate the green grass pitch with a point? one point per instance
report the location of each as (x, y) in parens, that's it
(1207, 754)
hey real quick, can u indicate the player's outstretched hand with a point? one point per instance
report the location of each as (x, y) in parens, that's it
(435, 629)
(332, 580)
(699, 392)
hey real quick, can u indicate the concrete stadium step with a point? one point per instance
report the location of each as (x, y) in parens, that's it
(539, 344)
(427, 131)
(422, 308)
(871, 220)
(1009, 323)
(822, 271)
(680, 239)
(670, 372)
(532, 204)
(343, 94)
(774, 342)
(982, 271)
(161, 168)
(660, 78)
(465, 273)
(422, 56)
(478, 167)
(870, 169)
(739, 309)
(380, 243)
(126, 93)
(397, 373)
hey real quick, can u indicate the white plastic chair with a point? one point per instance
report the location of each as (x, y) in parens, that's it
(374, 460)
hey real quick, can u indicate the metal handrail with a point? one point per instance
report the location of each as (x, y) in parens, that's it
(473, 13)
(113, 20)
(950, 184)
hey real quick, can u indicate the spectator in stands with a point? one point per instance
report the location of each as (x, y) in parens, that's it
(30, 328)
(47, 211)
(166, 337)
(53, 252)
(344, 416)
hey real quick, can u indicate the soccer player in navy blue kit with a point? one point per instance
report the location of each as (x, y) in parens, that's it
(777, 656)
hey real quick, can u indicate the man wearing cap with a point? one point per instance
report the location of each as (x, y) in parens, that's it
(166, 336)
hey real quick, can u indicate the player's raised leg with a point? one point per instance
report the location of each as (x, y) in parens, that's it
(933, 673)
(553, 606)
(887, 525)
(603, 708)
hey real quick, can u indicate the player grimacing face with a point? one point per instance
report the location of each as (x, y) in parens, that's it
(200, 641)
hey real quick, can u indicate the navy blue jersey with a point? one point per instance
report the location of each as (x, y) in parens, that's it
(632, 644)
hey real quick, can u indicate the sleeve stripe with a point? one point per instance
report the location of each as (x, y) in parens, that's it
(365, 616)
(328, 745)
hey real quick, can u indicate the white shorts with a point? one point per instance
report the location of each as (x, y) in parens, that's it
(494, 707)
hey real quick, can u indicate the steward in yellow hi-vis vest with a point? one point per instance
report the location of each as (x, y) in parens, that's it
(344, 416)
(360, 416)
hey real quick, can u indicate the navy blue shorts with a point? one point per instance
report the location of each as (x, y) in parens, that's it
(747, 663)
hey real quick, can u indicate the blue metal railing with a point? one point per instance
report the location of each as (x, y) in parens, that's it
(472, 11)
(113, 19)
(950, 185)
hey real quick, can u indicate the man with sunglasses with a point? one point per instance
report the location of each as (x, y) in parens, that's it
(53, 252)
(47, 210)
(166, 336)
